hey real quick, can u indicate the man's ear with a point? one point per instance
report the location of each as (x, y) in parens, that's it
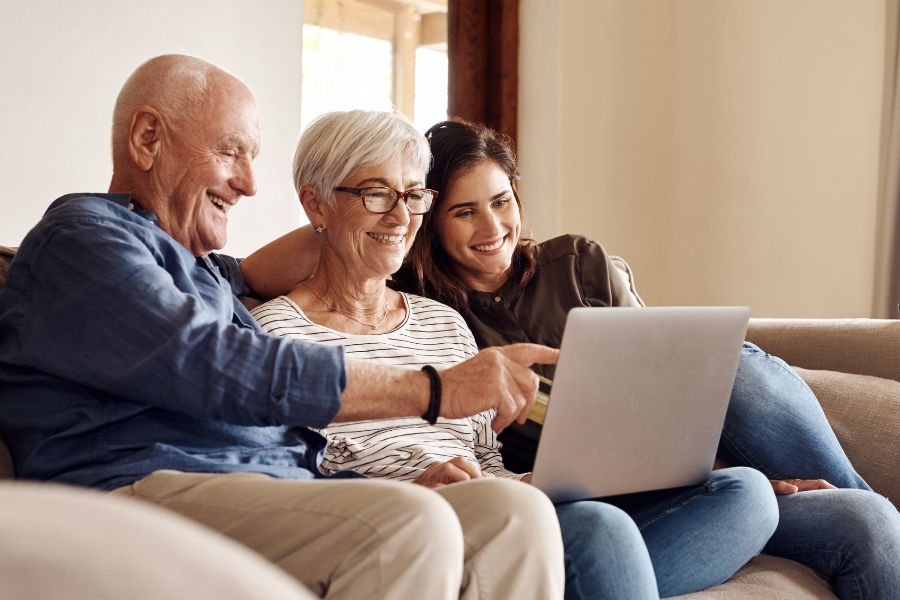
(144, 137)
(312, 204)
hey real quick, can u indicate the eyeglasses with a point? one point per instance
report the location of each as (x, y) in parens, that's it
(382, 200)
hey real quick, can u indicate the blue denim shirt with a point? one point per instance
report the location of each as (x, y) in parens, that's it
(121, 354)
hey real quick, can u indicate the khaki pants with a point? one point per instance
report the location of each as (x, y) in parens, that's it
(59, 541)
(486, 538)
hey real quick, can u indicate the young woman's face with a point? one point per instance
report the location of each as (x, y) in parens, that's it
(478, 224)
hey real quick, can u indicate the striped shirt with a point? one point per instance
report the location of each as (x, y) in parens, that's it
(431, 334)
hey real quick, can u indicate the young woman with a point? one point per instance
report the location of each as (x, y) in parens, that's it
(471, 255)
(360, 178)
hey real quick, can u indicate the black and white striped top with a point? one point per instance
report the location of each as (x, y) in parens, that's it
(432, 333)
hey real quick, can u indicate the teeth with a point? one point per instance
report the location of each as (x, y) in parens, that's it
(217, 201)
(490, 247)
(387, 239)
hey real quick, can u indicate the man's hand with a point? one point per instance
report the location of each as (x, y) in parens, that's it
(498, 378)
(445, 473)
(784, 487)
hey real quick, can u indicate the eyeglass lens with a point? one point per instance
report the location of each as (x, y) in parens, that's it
(383, 200)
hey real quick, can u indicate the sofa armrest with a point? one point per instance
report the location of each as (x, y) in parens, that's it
(864, 412)
(861, 346)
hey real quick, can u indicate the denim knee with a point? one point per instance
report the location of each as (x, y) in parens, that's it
(851, 536)
(756, 508)
(605, 554)
(868, 521)
(590, 518)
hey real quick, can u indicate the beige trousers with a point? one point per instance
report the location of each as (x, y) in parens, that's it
(487, 538)
(59, 541)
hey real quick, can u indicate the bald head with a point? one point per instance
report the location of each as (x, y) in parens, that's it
(184, 137)
(174, 84)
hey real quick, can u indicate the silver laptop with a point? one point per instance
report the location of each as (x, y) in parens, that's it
(638, 400)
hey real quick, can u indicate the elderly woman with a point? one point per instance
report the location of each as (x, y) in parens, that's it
(360, 179)
(350, 190)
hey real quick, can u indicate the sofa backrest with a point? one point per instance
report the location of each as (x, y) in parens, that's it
(6, 464)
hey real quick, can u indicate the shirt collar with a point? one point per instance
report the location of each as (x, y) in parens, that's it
(133, 204)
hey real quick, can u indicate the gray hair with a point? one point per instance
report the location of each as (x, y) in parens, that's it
(337, 143)
(173, 84)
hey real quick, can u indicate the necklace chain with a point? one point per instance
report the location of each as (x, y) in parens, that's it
(334, 308)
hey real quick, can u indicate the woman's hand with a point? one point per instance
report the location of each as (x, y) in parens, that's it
(444, 473)
(784, 487)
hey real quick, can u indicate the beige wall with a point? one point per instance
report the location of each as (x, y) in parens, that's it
(64, 62)
(728, 150)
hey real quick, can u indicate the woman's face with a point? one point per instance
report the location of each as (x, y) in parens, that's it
(478, 224)
(373, 245)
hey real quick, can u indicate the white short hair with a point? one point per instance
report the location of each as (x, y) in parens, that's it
(337, 143)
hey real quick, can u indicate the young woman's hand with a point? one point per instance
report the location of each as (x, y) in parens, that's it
(444, 473)
(784, 487)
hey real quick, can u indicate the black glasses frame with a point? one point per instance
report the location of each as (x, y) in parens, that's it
(360, 193)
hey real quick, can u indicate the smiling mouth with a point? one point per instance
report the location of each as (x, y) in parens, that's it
(490, 247)
(218, 202)
(388, 240)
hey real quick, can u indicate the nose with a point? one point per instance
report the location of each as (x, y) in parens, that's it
(244, 179)
(489, 223)
(398, 215)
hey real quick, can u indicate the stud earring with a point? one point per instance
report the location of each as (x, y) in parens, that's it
(319, 228)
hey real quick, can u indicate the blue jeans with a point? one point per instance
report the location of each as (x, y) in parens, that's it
(667, 542)
(850, 536)
(775, 424)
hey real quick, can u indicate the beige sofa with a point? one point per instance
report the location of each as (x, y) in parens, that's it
(853, 367)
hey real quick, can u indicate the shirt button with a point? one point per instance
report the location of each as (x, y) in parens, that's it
(498, 299)
(131, 206)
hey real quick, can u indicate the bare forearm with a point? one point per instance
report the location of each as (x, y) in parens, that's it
(277, 267)
(377, 391)
(497, 378)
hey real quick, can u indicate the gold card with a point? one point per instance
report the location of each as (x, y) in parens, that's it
(539, 408)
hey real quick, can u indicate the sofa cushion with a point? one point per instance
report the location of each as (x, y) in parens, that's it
(769, 578)
(625, 275)
(864, 412)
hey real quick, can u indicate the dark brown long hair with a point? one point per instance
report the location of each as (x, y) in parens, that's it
(456, 147)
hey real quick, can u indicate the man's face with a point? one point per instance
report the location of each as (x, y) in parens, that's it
(205, 167)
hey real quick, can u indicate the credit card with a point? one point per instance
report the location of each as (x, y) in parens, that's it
(539, 408)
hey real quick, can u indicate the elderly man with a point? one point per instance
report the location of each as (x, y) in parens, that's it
(128, 364)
